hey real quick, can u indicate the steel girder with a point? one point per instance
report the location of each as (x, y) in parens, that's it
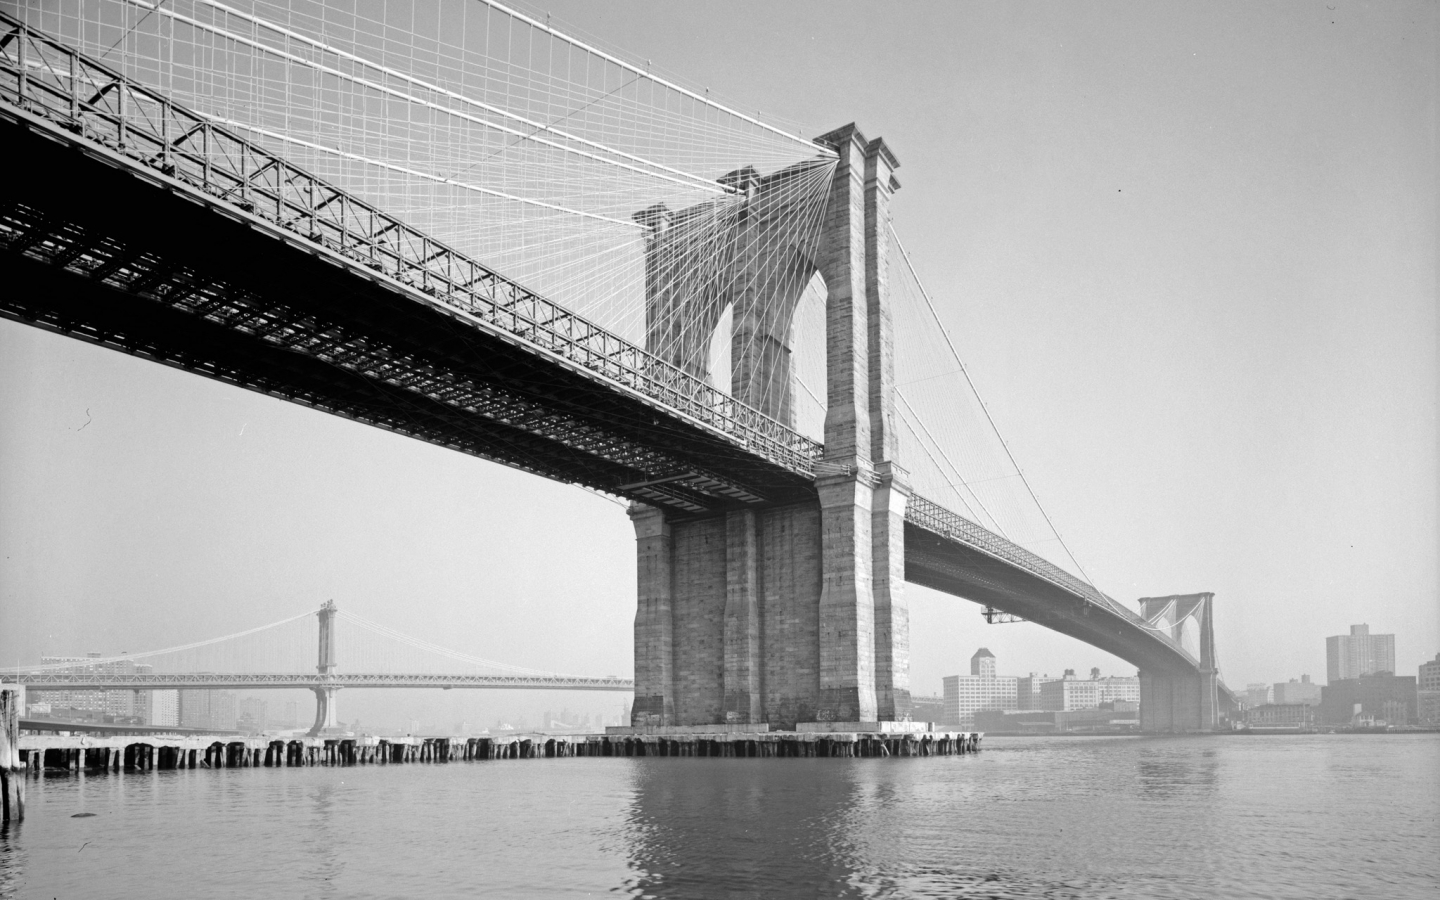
(176, 283)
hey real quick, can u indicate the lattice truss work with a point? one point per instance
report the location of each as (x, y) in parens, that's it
(473, 123)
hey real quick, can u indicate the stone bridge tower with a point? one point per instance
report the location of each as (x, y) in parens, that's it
(1181, 702)
(796, 613)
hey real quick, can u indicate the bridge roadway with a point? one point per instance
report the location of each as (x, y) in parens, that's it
(136, 224)
(90, 681)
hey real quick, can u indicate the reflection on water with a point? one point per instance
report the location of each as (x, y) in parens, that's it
(1292, 816)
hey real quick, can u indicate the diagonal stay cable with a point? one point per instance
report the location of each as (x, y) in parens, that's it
(945, 333)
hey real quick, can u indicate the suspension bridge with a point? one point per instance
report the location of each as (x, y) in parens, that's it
(273, 657)
(459, 224)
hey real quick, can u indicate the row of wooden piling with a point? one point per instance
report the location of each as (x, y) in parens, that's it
(139, 754)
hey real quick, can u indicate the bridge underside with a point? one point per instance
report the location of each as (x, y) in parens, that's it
(953, 568)
(134, 263)
(1176, 695)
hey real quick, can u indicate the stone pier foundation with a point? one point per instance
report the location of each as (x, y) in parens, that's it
(792, 613)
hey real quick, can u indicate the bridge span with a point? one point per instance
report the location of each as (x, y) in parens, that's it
(771, 566)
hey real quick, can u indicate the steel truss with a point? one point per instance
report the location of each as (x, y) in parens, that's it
(53, 90)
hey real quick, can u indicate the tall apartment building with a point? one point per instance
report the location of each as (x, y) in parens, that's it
(1358, 653)
(981, 689)
(158, 707)
(1427, 692)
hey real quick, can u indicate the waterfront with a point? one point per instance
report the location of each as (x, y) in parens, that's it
(1227, 816)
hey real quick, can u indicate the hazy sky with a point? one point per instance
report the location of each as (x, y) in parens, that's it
(1187, 250)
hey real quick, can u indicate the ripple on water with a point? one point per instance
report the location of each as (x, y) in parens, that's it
(1231, 816)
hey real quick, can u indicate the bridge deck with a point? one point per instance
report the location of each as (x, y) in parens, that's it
(227, 261)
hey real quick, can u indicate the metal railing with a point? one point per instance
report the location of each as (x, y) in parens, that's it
(99, 106)
(932, 516)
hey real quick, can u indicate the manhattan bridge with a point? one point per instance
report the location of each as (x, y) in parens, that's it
(452, 221)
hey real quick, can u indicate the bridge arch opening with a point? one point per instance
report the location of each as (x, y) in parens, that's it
(808, 360)
(719, 360)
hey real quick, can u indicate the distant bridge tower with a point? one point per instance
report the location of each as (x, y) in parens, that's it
(797, 613)
(325, 695)
(1181, 703)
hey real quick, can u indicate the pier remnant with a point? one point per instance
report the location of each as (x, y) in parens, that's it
(12, 776)
(135, 753)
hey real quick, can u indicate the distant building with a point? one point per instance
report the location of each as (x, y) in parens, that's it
(1027, 690)
(981, 689)
(1358, 653)
(207, 709)
(1069, 693)
(1427, 691)
(157, 707)
(284, 716)
(1116, 688)
(927, 709)
(983, 663)
(252, 715)
(1302, 691)
(1120, 716)
(117, 704)
(1380, 697)
(1299, 715)
(1257, 694)
(1032, 721)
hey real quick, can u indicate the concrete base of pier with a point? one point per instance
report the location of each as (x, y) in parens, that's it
(867, 727)
(687, 729)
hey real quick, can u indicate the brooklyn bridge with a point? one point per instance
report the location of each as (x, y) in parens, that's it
(543, 255)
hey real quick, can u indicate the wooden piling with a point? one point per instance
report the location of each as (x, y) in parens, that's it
(12, 777)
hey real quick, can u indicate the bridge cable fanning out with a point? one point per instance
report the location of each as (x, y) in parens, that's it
(566, 144)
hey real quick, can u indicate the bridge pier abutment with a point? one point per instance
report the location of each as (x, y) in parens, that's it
(1178, 703)
(794, 613)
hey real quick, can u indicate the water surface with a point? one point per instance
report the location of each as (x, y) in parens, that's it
(1229, 816)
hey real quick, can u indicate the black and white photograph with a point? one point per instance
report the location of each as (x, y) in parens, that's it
(875, 449)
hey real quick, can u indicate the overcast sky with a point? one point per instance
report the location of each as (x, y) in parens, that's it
(1187, 250)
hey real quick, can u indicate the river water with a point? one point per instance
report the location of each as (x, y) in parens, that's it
(1307, 817)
